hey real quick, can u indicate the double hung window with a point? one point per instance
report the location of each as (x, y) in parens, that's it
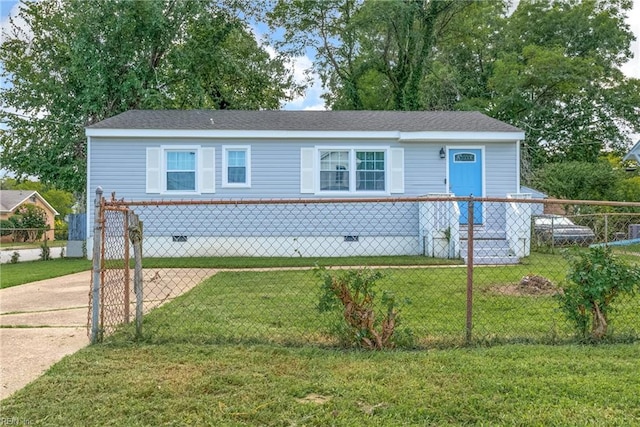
(353, 170)
(181, 170)
(236, 168)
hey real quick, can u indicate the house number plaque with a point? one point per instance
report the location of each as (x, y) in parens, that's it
(464, 157)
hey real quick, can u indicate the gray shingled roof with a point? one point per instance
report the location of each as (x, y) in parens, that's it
(11, 199)
(273, 120)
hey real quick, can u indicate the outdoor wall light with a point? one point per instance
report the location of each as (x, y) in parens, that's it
(442, 154)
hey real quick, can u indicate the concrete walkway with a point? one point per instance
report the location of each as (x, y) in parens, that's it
(40, 323)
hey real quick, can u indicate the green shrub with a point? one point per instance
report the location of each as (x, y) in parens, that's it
(45, 252)
(352, 292)
(30, 222)
(596, 278)
(6, 227)
(61, 230)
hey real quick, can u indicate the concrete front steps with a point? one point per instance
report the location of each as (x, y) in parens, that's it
(489, 248)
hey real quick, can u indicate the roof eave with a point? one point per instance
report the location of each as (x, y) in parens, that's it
(307, 134)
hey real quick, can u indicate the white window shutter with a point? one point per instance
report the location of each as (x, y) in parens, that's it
(307, 170)
(396, 170)
(154, 170)
(208, 170)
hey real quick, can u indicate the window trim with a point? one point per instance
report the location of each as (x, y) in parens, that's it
(352, 150)
(164, 170)
(225, 166)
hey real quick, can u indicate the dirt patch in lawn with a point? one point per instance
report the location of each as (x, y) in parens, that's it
(530, 285)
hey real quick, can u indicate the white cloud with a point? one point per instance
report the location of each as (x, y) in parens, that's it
(301, 67)
(310, 99)
(10, 9)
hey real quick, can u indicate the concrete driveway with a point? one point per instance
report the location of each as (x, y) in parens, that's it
(40, 323)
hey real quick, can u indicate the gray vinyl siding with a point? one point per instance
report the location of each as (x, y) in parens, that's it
(290, 220)
(118, 166)
(501, 169)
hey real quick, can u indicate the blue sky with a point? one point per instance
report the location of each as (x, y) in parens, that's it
(311, 99)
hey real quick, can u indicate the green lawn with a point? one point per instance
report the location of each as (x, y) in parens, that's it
(280, 307)
(31, 271)
(236, 385)
(246, 348)
(26, 272)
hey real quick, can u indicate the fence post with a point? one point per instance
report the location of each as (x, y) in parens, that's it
(127, 281)
(135, 235)
(470, 220)
(97, 273)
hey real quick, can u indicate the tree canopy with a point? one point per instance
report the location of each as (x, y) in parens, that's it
(75, 62)
(550, 67)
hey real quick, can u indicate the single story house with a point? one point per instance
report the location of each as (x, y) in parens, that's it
(11, 200)
(227, 155)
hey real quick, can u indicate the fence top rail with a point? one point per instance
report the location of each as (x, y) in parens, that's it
(128, 203)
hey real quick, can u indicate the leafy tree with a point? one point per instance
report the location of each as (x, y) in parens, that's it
(551, 67)
(329, 28)
(579, 180)
(76, 62)
(370, 54)
(557, 76)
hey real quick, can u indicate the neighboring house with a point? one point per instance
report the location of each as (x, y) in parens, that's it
(633, 154)
(202, 155)
(11, 200)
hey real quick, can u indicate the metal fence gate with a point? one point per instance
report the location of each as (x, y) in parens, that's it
(116, 286)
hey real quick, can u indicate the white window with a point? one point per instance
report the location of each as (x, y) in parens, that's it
(180, 170)
(348, 170)
(334, 170)
(353, 170)
(370, 171)
(236, 166)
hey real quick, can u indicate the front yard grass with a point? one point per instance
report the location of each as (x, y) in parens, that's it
(32, 271)
(236, 385)
(280, 306)
(236, 351)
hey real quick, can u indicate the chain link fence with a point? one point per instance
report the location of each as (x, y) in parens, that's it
(462, 270)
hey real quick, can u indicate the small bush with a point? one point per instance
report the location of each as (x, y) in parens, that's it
(61, 230)
(45, 252)
(30, 222)
(6, 227)
(15, 257)
(596, 278)
(352, 292)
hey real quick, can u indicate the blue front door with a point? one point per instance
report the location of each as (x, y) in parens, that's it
(465, 179)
